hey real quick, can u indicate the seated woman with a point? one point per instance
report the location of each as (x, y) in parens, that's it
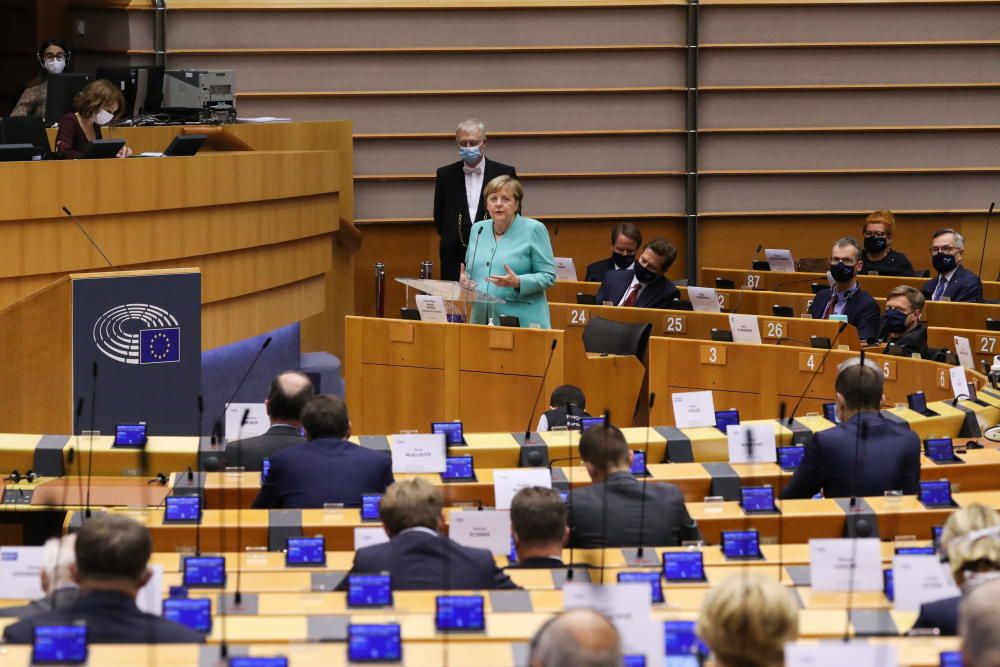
(97, 105)
(746, 621)
(509, 257)
(878, 257)
(53, 57)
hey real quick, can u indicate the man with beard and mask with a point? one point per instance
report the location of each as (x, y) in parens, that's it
(954, 282)
(879, 258)
(626, 239)
(458, 194)
(644, 286)
(905, 334)
(846, 297)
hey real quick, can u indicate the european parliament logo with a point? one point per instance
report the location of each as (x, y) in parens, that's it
(138, 334)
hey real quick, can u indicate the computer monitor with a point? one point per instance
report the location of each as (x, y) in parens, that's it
(25, 130)
(141, 86)
(60, 91)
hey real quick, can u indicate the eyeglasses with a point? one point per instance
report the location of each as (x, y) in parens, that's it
(946, 249)
(876, 235)
(51, 57)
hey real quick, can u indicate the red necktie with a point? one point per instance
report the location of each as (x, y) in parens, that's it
(830, 306)
(633, 295)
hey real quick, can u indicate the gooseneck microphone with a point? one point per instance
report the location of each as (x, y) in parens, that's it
(90, 454)
(239, 386)
(201, 477)
(812, 376)
(89, 238)
(855, 528)
(538, 396)
(739, 297)
(238, 595)
(986, 236)
(640, 550)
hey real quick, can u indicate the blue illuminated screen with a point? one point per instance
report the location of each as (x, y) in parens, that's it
(683, 566)
(452, 432)
(182, 508)
(724, 418)
(458, 467)
(757, 498)
(195, 613)
(917, 402)
(369, 590)
(915, 551)
(936, 493)
(887, 584)
(130, 435)
(638, 463)
(653, 578)
(680, 639)
(459, 612)
(305, 551)
(634, 661)
(790, 458)
(59, 644)
(374, 643)
(950, 659)
(255, 661)
(940, 449)
(740, 543)
(591, 421)
(369, 506)
(830, 412)
(206, 571)
(265, 470)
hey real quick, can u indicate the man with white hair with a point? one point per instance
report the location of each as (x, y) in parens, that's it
(58, 556)
(577, 638)
(458, 194)
(979, 626)
(865, 454)
(954, 282)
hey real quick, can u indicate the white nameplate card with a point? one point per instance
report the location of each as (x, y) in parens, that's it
(622, 603)
(507, 482)
(693, 409)
(150, 596)
(831, 560)
(781, 260)
(417, 452)
(257, 421)
(704, 299)
(964, 352)
(752, 443)
(959, 385)
(431, 308)
(482, 529)
(644, 638)
(919, 579)
(369, 536)
(20, 573)
(838, 653)
(565, 269)
(745, 329)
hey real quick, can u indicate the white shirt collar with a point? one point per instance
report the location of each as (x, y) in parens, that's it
(419, 529)
(948, 276)
(478, 169)
(631, 286)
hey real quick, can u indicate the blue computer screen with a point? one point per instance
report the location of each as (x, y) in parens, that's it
(452, 432)
(458, 468)
(204, 571)
(683, 566)
(369, 590)
(652, 578)
(305, 551)
(740, 543)
(59, 644)
(459, 612)
(182, 508)
(195, 613)
(374, 643)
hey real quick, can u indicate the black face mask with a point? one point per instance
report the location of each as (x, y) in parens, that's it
(622, 261)
(643, 275)
(944, 263)
(841, 272)
(874, 244)
(895, 320)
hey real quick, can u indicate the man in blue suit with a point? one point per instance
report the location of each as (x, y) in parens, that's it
(954, 282)
(846, 297)
(841, 462)
(418, 555)
(326, 468)
(644, 285)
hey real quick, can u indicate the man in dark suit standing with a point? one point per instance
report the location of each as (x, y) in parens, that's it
(418, 555)
(843, 462)
(112, 552)
(846, 297)
(610, 512)
(58, 556)
(626, 239)
(645, 285)
(458, 194)
(538, 524)
(326, 468)
(289, 393)
(954, 282)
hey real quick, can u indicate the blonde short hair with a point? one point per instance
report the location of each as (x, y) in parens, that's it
(504, 183)
(411, 503)
(964, 553)
(747, 620)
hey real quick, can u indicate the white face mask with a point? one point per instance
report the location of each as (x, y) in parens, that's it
(55, 66)
(103, 117)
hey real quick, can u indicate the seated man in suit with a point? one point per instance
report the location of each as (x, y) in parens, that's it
(645, 285)
(577, 637)
(58, 556)
(843, 462)
(973, 556)
(538, 524)
(289, 393)
(626, 239)
(609, 512)
(112, 552)
(418, 555)
(906, 335)
(954, 282)
(980, 626)
(846, 297)
(326, 468)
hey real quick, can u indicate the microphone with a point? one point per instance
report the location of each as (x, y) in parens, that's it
(238, 595)
(475, 249)
(960, 397)
(642, 503)
(201, 480)
(739, 297)
(986, 236)
(538, 396)
(604, 501)
(859, 526)
(756, 254)
(812, 377)
(90, 454)
(89, 238)
(239, 386)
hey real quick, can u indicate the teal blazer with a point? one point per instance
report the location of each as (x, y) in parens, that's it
(526, 248)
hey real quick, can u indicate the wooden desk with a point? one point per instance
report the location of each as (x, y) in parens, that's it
(403, 374)
(985, 344)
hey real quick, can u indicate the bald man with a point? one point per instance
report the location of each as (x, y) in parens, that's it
(979, 625)
(289, 393)
(577, 638)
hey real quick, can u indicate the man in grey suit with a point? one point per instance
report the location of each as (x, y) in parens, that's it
(289, 393)
(58, 555)
(609, 512)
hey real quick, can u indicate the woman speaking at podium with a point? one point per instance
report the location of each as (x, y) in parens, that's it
(509, 257)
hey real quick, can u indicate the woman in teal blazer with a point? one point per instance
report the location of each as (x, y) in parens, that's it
(509, 257)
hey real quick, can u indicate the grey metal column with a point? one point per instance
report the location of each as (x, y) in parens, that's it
(160, 32)
(691, 152)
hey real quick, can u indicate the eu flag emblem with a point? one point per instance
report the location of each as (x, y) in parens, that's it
(160, 346)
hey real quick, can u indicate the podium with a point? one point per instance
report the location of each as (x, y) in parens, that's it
(451, 292)
(97, 349)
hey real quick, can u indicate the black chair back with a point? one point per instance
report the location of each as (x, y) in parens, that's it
(603, 336)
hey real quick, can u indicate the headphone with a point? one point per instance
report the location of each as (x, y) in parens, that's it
(40, 56)
(16, 477)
